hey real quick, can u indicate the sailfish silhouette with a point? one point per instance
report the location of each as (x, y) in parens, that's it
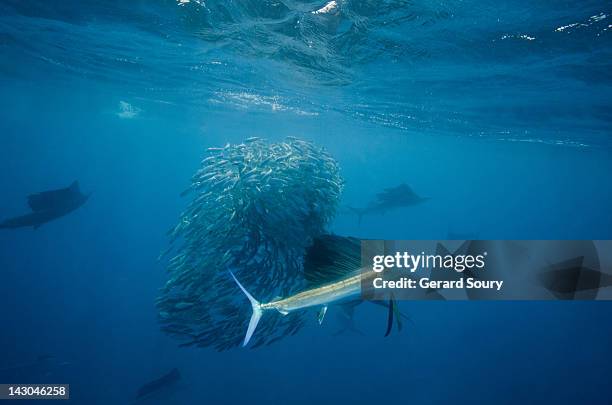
(47, 206)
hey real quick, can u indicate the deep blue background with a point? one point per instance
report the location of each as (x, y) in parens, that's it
(510, 137)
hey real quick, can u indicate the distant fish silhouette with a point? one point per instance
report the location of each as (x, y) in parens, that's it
(158, 385)
(472, 248)
(47, 206)
(391, 198)
(346, 319)
(568, 278)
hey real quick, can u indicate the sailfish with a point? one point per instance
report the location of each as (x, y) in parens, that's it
(389, 199)
(332, 267)
(47, 206)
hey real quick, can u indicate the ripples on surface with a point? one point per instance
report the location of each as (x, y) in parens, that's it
(511, 70)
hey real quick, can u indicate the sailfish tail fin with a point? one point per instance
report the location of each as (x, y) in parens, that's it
(255, 317)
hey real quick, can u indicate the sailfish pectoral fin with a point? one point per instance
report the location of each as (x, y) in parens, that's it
(396, 313)
(398, 316)
(321, 314)
(390, 318)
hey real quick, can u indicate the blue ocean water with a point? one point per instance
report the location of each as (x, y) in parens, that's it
(498, 111)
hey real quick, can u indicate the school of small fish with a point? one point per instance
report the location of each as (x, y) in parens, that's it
(255, 208)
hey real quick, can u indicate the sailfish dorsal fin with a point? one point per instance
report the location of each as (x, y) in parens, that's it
(332, 258)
